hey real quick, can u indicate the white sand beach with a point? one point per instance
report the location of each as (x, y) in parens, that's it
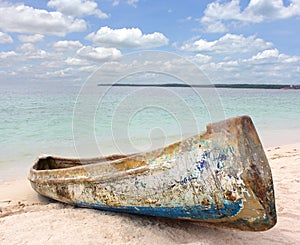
(27, 218)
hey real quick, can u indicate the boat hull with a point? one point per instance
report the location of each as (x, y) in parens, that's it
(221, 177)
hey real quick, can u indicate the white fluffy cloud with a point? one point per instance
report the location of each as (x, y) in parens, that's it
(24, 19)
(132, 2)
(218, 15)
(62, 73)
(272, 56)
(65, 45)
(31, 38)
(76, 62)
(115, 3)
(269, 53)
(77, 8)
(98, 54)
(202, 59)
(29, 51)
(5, 55)
(5, 38)
(227, 44)
(267, 66)
(127, 38)
(269, 10)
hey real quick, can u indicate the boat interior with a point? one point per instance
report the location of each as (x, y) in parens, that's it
(51, 163)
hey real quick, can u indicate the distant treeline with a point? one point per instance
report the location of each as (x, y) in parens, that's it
(255, 86)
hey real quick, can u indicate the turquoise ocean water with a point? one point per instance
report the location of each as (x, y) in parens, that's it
(37, 118)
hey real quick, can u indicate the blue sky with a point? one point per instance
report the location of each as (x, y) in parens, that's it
(232, 41)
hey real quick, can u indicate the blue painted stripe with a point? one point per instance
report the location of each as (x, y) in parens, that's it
(230, 209)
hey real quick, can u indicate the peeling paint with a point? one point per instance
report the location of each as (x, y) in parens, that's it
(211, 178)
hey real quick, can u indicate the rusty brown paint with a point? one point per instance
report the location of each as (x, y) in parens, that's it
(129, 164)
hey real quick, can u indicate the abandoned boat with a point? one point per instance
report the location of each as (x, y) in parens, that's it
(221, 177)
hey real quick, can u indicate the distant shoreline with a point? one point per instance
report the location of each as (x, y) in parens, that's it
(179, 85)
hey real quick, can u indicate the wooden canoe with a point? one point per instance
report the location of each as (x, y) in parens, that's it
(221, 177)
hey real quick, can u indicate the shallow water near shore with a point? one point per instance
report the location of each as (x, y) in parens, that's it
(39, 118)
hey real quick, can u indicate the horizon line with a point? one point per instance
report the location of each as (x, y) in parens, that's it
(218, 85)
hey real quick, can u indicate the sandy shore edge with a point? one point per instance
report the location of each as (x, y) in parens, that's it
(27, 218)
